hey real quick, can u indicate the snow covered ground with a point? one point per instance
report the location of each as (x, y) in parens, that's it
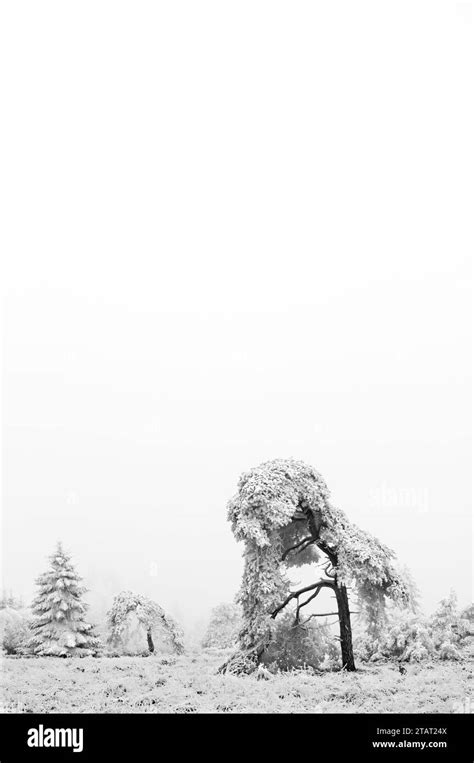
(190, 684)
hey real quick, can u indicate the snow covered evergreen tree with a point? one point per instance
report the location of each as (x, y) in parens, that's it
(58, 612)
(448, 628)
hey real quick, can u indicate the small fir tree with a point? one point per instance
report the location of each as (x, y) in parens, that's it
(448, 628)
(58, 625)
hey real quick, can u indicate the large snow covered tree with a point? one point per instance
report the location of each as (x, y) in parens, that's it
(58, 621)
(283, 514)
(149, 615)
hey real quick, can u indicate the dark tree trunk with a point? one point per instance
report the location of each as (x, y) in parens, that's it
(345, 627)
(345, 630)
(151, 645)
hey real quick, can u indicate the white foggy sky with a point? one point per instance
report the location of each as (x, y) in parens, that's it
(235, 232)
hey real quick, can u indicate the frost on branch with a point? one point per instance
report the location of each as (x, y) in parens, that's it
(283, 514)
(150, 616)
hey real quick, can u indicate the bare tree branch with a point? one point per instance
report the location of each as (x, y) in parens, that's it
(295, 594)
(325, 625)
(329, 570)
(305, 542)
(300, 606)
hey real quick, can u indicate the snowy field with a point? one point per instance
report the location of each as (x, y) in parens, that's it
(189, 684)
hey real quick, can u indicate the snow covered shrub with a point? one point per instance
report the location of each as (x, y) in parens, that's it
(300, 645)
(365, 645)
(241, 663)
(58, 625)
(408, 638)
(14, 630)
(224, 626)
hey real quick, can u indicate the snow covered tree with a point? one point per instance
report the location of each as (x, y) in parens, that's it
(58, 621)
(14, 630)
(224, 626)
(149, 615)
(283, 514)
(408, 638)
(448, 628)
